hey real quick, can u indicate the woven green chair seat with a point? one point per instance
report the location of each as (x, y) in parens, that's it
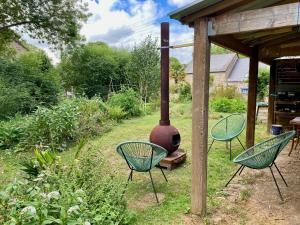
(264, 153)
(141, 156)
(228, 128)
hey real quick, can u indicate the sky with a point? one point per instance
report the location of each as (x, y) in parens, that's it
(124, 23)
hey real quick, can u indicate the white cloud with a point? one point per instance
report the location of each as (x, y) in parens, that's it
(179, 3)
(123, 28)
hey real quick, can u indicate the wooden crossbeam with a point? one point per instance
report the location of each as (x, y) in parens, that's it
(219, 8)
(253, 20)
(267, 54)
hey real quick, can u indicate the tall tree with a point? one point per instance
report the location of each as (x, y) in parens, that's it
(143, 69)
(55, 21)
(91, 69)
(177, 70)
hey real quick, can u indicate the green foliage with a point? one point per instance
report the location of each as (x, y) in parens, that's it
(92, 68)
(54, 127)
(262, 83)
(27, 82)
(143, 71)
(43, 160)
(215, 49)
(13, 131)
(229, 92)
(38, 21)
(177, 70)
(116, 113)
(226, 105)
(85, 193)
(127, 100)
(185, 91)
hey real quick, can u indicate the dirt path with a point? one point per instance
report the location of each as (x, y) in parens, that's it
(252, 198)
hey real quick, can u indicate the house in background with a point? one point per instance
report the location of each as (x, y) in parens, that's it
(227, 69)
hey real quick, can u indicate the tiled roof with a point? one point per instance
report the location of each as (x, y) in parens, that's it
(218, 63)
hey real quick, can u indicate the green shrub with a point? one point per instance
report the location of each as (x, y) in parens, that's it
(128, 100)
(229, 92)
(54, 127)
(228, 105)
(27, 82)
(93, 116)
(85, 193)
(13, 131)
(116, 113)
(185, 91)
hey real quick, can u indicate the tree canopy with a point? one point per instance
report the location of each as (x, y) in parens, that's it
(177, 70)
(55, 21)
(93, 68)
(144, 68)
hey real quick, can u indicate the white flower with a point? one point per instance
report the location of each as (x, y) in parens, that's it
(79, 199)
(43, 195)
(87, 223)
(73, 209)
(53, 194)
(28, 210)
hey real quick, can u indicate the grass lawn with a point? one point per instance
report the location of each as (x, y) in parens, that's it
(176, 192)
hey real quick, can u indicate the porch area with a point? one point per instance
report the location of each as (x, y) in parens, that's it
(264, 31)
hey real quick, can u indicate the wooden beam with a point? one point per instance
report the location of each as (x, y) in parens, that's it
(232, 44)
(252, 92)
(271, 96)
(276, 52)
(214, 9)
(253, 20)
(277, 40)
(200, 116)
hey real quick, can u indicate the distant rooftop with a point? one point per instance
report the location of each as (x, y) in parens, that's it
(218, 63)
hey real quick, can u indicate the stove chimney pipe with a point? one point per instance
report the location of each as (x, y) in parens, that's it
(165, 134)
(164, 67)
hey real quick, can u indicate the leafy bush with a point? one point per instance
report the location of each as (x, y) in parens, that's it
(93, 116)
(85, 193)
(92, 68)
(116, 113)
(54, 127)
(185, 91)
(13, 131)
(229, 92)
(128, 100)
(27, 82)
(228, 105)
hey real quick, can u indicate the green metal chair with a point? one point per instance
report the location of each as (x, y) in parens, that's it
(227, 129)
(142, 157)
(263, 155)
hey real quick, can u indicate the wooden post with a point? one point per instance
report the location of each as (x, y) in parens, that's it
(271, 98)
(252, 92)
(200, 116)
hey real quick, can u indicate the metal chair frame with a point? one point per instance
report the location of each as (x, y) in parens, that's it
(130, 177)
(281, 145)
(228, 140)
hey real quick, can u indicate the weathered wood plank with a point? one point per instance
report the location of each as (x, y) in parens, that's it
(200, 116)
(214, 9)
(253, 20)
(252, 92)
(271, 98)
